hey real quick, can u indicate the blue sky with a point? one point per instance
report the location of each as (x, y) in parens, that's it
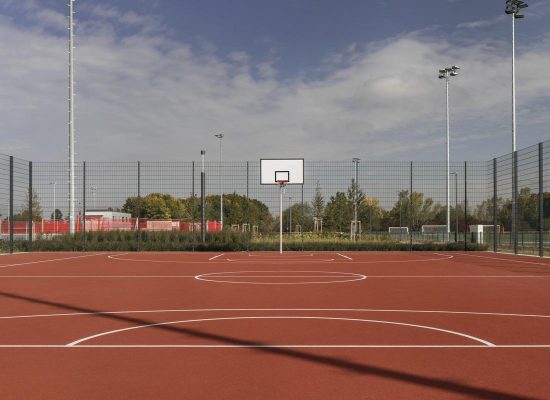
(317, 79)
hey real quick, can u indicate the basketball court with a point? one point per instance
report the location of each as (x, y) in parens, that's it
(265, 325)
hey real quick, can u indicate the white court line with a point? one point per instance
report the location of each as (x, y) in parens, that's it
(444, 257)
(346, 257)
(274, 346)
(213, 258)
(97, 276)
(289, 260)
(280, 276)
(53, 259)
(278, 309)
(507, 259)
(220, 277)
(284, 254)
(475, 339)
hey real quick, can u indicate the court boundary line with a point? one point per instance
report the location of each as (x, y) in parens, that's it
(53, 259)
(506, 259)
(274, 346)
(194, 276)
(366, 310)
(227, 260)
(132, 328)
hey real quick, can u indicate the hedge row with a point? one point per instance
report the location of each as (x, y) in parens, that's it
(228, 241)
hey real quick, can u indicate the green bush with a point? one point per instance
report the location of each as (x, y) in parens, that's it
(227, 241)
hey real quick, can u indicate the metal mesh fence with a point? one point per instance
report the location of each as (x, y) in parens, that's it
(410, 197)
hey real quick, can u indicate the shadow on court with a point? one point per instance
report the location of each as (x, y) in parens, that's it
(355, 367)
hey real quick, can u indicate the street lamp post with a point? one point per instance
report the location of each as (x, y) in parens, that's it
(54, 210)
(355, 161)
(220, 136)
(446, 74)
(513, 8)
(456, 205)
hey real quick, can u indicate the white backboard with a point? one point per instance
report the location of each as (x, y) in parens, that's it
(270, 166)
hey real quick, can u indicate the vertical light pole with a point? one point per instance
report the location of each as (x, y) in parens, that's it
(71, 121)
(220, 136)
(355, 161)
(456, 205)
(513, 8)
(446, 74)
(54, 210)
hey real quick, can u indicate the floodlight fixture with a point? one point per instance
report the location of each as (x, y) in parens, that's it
(453, 73)
(455, 67)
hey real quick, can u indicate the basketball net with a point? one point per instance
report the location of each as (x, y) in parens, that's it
(282, 185)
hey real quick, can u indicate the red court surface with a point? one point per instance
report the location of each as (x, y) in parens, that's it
(271, 326)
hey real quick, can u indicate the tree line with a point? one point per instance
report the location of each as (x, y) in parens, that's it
(337, 212)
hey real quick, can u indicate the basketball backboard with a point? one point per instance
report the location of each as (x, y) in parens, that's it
(289, 169)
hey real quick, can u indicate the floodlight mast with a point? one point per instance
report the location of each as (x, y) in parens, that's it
(446, 73)
(513, 8)
(71, 121)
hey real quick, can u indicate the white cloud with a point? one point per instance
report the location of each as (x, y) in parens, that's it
(147, 96)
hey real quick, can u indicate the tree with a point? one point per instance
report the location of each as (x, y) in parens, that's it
(58, 215)
(370, 213)
(318, 202)
(301, 215)
(23, 215)
(134, 206)
(338, 213)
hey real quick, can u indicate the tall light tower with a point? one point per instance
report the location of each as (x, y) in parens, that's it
(513, 8)
(220, 136)
(446, 74)
(71, 121)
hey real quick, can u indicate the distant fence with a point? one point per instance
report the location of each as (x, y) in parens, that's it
(507, 191)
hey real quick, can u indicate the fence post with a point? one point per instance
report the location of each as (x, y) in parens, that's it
(83, 224)
(193, 203)
(11, 205)
(541, 199)
(248, 207)
(29, 247)
(203, 199)
(495, 243)
(411, 208)
(515, 201)
(139, 203)
(465, 205)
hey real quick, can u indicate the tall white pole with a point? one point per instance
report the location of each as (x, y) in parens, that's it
(448, 160)
(514, 148)
(513, 83)
(71, 122)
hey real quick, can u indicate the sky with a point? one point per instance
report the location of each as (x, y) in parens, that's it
(318, 79)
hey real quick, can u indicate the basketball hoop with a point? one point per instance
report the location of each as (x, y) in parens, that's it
(282, 182)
